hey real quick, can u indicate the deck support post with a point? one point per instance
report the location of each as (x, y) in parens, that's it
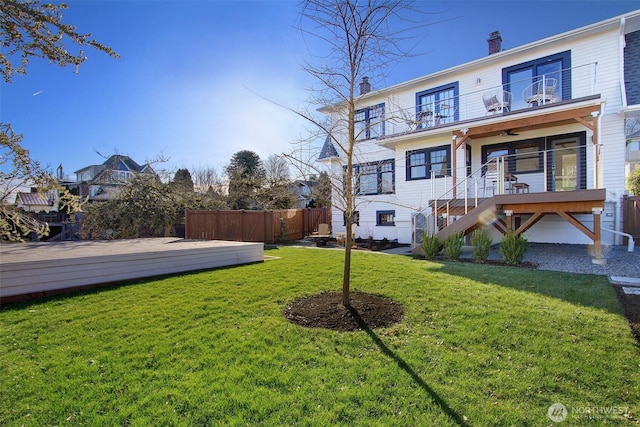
(509, 214)
(597, 242)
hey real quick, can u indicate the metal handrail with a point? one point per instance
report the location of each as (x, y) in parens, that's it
(499, 165)
(421, 117)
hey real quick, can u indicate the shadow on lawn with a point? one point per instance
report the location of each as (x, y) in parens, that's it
(405, 367)
(587, 290)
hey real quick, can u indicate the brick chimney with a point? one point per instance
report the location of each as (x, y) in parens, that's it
(495, 42)
(365, 86)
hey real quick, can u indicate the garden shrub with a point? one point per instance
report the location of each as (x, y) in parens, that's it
(633, 182)
(513, 247)
(430, 245)
(481, 244)
(453, 245)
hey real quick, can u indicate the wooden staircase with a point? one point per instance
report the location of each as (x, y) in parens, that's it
(472, 220)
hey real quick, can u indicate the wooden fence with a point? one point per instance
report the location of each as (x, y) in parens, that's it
(631, 216)
(254, 226)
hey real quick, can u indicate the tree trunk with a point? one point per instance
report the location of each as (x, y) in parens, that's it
(346, 276)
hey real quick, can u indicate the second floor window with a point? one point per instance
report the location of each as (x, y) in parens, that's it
(420, 163)
(369, 122)
(375, 178)
(555, 67)
(437, 106)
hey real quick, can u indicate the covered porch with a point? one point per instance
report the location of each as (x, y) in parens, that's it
(521, 181)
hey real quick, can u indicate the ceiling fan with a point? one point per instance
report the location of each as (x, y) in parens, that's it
(508, 132)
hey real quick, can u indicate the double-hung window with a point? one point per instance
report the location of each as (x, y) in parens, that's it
(369, 122)
(437, 106)
(420, 163)
(375, 178)
(518, 77)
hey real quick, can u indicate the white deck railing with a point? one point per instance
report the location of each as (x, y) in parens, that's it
(500, 176)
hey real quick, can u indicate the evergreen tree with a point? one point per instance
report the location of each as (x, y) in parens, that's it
(246, 176)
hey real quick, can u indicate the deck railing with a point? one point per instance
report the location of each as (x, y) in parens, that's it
(516, 96)
(559, 169)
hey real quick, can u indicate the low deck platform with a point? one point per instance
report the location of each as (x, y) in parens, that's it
(39, 269)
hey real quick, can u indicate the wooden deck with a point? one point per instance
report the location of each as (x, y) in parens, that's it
(531, 206)
(39, 269)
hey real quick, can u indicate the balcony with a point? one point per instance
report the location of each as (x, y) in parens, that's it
(564, 90)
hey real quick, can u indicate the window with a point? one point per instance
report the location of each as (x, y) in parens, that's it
(519, 77)
(356, 218)
(468, 159)
(386, 218)
(375, 178)
(520, 156)
(527, 157)
(369, 122)
(420, 163)
(119, 175)
(437, 106)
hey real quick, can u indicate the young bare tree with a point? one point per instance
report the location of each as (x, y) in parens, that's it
(207, 180)
(29, 29)
(362, 38)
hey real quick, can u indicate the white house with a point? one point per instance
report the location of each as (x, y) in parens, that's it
(532, 136)
(102, 182)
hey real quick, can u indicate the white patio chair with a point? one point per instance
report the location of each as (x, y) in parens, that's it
(540, 92)
(497, 100)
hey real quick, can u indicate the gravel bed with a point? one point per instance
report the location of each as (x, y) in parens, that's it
(564, 257)
(578, 259)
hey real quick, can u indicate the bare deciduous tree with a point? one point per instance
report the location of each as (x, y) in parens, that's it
(363, 39)
(207, 180)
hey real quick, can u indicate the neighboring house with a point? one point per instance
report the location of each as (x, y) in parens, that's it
(533, 136)
(302, 190)
(35, 201)
(102, 182)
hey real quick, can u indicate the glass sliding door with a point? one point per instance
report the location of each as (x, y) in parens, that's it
(519, 77)
(568, 159)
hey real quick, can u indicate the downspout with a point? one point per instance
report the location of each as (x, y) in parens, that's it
(616, 221)
(597, 147)
(621, 46)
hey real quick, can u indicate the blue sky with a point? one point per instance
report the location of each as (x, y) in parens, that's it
(192, 75)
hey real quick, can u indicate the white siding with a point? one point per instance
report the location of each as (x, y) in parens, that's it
(593, 53)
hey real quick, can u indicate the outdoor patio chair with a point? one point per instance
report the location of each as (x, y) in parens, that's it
(323, 230)
(497, 100)
(540, 92)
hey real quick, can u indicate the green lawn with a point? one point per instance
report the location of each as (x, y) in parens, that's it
(479, 345)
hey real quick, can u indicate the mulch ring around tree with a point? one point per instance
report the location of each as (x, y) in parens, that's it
(325, 310)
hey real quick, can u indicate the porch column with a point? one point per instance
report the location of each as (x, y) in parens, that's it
(454, 164)
(455, 144)
(597, 242)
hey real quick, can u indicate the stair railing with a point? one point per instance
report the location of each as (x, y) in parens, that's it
(444, 200)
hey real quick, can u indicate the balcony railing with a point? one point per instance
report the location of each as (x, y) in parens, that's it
(564, 85)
